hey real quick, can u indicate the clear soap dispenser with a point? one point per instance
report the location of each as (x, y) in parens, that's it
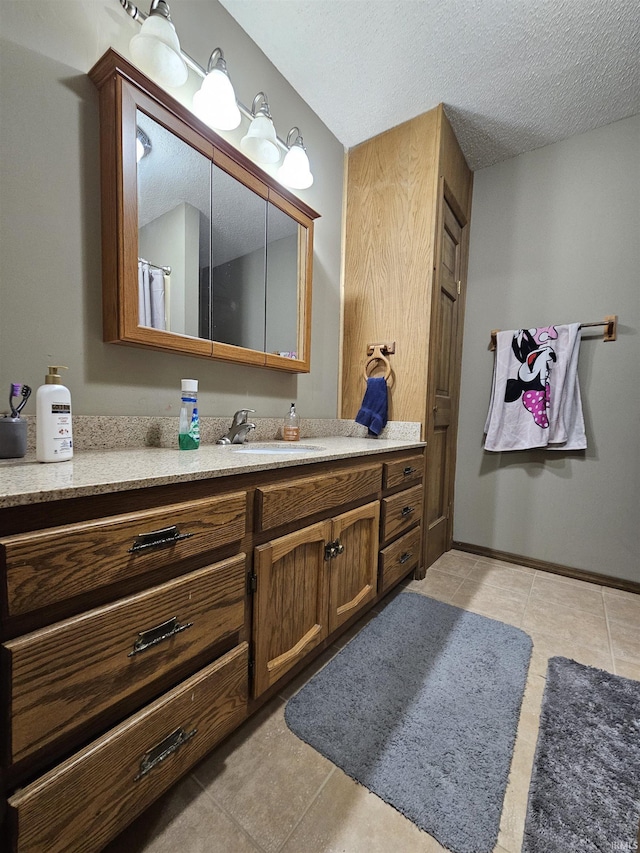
(291, 427)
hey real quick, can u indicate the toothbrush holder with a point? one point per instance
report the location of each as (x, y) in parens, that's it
(13, 438)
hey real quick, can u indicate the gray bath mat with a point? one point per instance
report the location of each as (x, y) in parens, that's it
(421, 707)
(585, 787)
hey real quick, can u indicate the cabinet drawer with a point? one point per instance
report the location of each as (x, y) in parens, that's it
(53, 565)
(69, 673)
(296, 499)
(403, 472)
(401, 511)
(399, 558)
(84, 802)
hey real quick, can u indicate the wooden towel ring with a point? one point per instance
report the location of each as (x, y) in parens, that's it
(375, 358)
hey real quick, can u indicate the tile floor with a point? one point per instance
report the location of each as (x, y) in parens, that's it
(265, 791)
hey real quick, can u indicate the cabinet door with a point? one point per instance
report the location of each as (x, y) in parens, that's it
(290, 608)
(354, 571)
(444, 371)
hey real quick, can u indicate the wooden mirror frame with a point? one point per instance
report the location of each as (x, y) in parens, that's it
(123, 89)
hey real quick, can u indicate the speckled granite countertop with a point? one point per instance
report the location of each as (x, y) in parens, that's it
(92, 472)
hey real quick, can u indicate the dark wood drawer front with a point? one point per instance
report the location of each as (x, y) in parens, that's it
(84, 802)
(401, 511)
(53, 565)
(404, 472)
(67, 674)
(281, 504)
(399, 558)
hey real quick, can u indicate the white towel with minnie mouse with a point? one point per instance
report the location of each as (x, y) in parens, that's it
(535, 396)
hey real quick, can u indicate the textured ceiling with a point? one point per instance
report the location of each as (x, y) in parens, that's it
(514, 75)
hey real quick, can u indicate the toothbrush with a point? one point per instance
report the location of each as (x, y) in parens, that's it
(14, 392)
(26, 393)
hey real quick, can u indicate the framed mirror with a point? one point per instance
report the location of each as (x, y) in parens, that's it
(203, 252)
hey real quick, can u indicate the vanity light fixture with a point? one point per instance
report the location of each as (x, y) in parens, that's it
(295, 172)
(143, 144)
(156, 48)
(215, 101)
(261, 142)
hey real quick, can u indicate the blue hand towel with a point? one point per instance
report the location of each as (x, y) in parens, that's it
(373, 411)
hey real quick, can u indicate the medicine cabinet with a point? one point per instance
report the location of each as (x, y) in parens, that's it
(203, 252)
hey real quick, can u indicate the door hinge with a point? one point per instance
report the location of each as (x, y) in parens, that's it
(333, 549)
(252, 666)
(252, 582)
(459, 286)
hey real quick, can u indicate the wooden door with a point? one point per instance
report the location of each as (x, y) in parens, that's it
(354, 571)
(444, 376)
(290, 608)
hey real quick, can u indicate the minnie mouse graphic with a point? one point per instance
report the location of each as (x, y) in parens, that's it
(532, 349)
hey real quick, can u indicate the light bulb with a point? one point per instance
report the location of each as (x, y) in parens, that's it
(260, 142)
(156, 50)
(215, 102)
(295, 171)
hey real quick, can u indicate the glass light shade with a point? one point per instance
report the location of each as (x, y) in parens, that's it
(156, 50)
(215, 102)
(295, 171)
(260, 143)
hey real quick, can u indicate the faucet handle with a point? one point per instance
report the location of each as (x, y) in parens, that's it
(240, 416)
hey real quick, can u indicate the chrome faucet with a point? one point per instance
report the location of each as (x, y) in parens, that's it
(239, 428)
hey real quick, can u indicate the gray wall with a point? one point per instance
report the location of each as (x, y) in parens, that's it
(555, 238)
(50, 298)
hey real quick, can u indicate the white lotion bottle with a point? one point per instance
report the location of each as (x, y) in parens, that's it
(54, 436)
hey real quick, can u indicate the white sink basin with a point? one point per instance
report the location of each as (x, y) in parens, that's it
(280, 449)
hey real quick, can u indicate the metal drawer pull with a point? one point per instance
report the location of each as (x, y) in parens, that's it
(153, 636)
(406, 556)
(409, 470)
(166, 536)
(157, 754)
(407, 510)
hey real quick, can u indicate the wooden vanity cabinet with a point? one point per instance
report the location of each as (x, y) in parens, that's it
(311, 582)
(124, 656)
(308, 584)
(130, 624)
(401, 521)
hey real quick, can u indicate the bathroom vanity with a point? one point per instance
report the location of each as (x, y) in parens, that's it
(152, 600)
